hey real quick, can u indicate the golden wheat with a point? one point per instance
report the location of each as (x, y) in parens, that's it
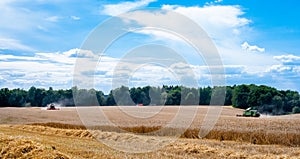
(247, 135)
(32, 141)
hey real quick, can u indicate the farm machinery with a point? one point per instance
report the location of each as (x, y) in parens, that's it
(249, 112)
(52, 107)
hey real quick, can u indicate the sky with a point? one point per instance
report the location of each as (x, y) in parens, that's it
(42, 42)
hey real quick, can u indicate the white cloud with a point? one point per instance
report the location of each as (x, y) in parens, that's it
(224, 24)
(68, 57)
(23, 58)
(56, 69)
(252, 48)
(279, 69)
(123, 7)
(43, 69)
(227, 27)
(288, 59)
(12, 44)
(159, 34)
(218, 21)
(289, 67)
(53, 18)
(75, 17)
(213, 2)
(285, 74)
(42, 28)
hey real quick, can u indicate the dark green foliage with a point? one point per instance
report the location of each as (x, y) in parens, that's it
(174, 96)
(265, 99)
(205, 95)
(17, 98)
(157, 96)
(122, 96)
(85, 97)
(218, 95)
(240, 96)
(296, 110)
(229, 94)
(4, 96)
(110, 101)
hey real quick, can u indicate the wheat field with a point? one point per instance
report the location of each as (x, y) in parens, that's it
(37, 133)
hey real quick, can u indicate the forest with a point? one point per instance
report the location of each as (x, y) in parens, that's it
(265, 99)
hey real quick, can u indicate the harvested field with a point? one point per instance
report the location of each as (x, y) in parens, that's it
(27, 141)
(29, 132)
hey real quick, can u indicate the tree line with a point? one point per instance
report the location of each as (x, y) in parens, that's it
(264, 98)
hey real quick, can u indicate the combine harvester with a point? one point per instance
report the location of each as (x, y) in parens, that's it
(52, 107)
(249, 112)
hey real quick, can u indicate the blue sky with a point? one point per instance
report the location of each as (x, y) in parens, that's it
(40, 41)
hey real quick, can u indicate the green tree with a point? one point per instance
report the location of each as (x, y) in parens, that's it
(218, 95)
(291, 100)
(278, 105)
(265, 98)
(122, 96)
(39, 96)
(228, 98)
(110, 101)
(205, 95)
(296, 110)
(86, 97)
(190, 96)
(240, 96)
(100, 98)
(155, 95)
(31, 96)
(17, 98)
(135, 95)
(50, 97)
(4, 96)
(174, 96)
(189, 99)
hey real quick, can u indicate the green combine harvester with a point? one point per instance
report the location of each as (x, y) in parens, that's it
(249, 112)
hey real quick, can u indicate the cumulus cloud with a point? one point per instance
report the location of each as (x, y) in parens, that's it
(279, 69)
(68, 56)
(214, 19)
(252, 48)
(219, 22)
(285, 74)
(123, 7)
(56, 69)
(225, 25)
(42, 69)
(288, 59)
(289, 66)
